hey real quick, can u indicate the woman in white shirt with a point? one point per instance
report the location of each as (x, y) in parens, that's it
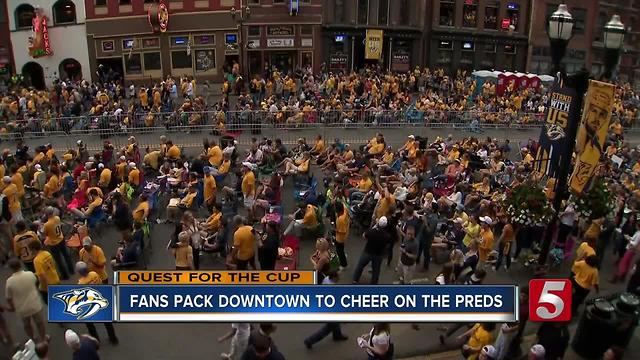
(377, 343)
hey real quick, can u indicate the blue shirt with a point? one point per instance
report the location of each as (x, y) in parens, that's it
(88, 350)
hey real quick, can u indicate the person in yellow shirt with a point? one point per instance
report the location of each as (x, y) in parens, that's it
(248, 187)
(121, 168)
(223, 169)
(319, 146)
(212, 224)
(298, 166)
(585, 277)
(527, 159)
(141, 213)
(343, 222)
(52, 188)
(45, 268)
(152, 159)
(21, 242)
(215, 154)
(244, 239)
(486, 236)
(104, 181)
(479, 336)
(94, 257)
(134, 176)
(378, 148)
(586, 248)
(87, 277)
(173, 152)
(209, 187)
(18, 180)
(51, 152)
(11, 193)
(54, 239)
(95, 204)
(183, 253)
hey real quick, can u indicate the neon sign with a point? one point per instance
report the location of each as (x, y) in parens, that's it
(39, 43)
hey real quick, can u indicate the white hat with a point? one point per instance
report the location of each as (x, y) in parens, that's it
(538, 351)
(6, 179)
(411, 137)
(92, 159)
(79, 142)
(38, 167)
(123, 158)
(101, 166)
(132, 164)
(490, 351)
(382, 222)
(247, 164)
(71, 338)
(485, 219)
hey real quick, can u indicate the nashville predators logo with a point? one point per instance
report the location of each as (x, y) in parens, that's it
(555, 132)
(82, 303)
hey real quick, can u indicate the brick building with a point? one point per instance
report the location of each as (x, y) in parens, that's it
(478, 34)
(6, 53)
(347, 21)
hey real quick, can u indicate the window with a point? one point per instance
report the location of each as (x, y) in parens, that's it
(64, 12)
(152, 61)
(125, 2)
(489, 48)
(3, 14)
(180, 60)
(383, 12)
(513, 14)
(253, 31)
(579, 18)
(470, 13)
(149, 1)
(468, 46)
(278, 1)
(205, 60)
(306, 30)
(405, 12)
(491, 17)
(363, 12)
(510, 49)
(254, 2)
(445, 45)
(601, 22)
(133, 64)
(24, 16)
(101, 2)
(447, 13)
(338, 9)
(179, 41)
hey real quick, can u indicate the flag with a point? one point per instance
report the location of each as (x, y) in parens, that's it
(592, 133)
(373, 45)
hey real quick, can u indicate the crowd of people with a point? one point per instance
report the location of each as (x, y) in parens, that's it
(370, 95)
(422, 205)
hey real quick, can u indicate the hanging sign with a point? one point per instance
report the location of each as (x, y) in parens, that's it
(158, 17)
(373, 45)
(39, 44)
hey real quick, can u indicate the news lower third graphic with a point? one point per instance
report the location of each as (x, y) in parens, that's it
(283, 303)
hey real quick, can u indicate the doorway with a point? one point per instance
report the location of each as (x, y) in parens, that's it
(70, 69)
(110, 69)
(33, 75)
(284, 61)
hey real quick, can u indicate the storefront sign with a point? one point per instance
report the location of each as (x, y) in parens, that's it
(39, 44)
(280, 42)
(253, 44)
(400, 61)
(205, 60)
(373, 45)
(158, 16)
(592, 134)
(204, 40)
(338, 61)
(151, 43)
(108, 45)
(280, 30)
(307, 42)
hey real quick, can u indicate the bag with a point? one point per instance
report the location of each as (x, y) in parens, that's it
(320, 219)
(334, 260)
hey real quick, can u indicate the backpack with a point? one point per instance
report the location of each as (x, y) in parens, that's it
(320, 219)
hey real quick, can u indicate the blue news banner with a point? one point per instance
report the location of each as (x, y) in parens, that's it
(295, 303)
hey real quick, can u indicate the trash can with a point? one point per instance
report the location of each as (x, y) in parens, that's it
(596, 329)
(627, 307)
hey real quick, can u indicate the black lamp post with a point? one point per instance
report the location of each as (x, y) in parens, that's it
(614, 32)
(560, 28)
(240, 16)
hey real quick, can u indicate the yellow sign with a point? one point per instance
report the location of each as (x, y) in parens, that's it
(373, 45)
(594, 126)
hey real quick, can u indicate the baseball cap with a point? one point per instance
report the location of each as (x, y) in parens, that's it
(86, 241)
(538, 351)
(132, 164)
(382, 222)
(486, 219)
(71, 338)
(490, 351)
(38, 167)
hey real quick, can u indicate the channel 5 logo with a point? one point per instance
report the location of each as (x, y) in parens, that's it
(550, 300)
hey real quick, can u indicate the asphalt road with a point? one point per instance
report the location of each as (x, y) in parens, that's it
(197, 340)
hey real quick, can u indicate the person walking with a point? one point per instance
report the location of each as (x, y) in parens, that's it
(507, 238)
(268, 246)
(85, 347)
(54, 240)
(343, 222)
(244, 239)
(239, 335)
(92, 278)
(408, 255)
(585, 277)
(22, 296)
(377, 239)
(45, 268)
(377, 343)
(328, 328)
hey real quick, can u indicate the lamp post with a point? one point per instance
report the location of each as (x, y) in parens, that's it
(240, 16)
(614, 32)
(560, 28)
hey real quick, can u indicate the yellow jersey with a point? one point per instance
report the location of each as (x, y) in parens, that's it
(46, 270)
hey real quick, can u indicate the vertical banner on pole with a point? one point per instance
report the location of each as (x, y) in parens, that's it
(553, 136)
(592, 134)
(373, 45)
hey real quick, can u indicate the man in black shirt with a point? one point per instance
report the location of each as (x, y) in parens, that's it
(554, 336)
(377, 240)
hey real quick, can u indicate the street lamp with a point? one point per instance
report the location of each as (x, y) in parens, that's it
(614, 32)
(560, 31)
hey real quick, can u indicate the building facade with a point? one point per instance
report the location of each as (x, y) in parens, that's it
(479, 34)
(346, 23)
(285, 34)
(48, 40)
(6, 53)
(579, 48)
(146, 41)
(629, 12)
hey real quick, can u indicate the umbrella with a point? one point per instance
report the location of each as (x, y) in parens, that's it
(546, 78)
(482, 73)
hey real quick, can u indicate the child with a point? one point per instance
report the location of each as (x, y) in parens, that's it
(239, 335)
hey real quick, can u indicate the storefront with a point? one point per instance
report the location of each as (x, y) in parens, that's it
(187, 47)
(285, 46)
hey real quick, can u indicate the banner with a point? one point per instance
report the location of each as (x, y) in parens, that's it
(561, 107)
(282, 303)
(373, 45)
(592, 133)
